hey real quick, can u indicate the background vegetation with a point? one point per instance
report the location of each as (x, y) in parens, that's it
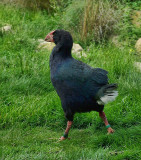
(31, 117)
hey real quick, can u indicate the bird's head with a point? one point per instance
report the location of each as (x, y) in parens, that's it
(61, 38)
(49, 37)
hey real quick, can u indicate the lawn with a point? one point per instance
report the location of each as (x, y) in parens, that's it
(31, 117)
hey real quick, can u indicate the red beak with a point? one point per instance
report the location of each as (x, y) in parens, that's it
(49, 37)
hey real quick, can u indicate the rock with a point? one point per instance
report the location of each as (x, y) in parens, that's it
(46, 45)
(138, 45)
(138, 65)
(6, 28)
(84, 54)
(136, 18)
(41, 40)
(114, 39)
(80, 54)
(76, 49)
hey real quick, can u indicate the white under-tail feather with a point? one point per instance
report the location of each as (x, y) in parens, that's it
(109, 96)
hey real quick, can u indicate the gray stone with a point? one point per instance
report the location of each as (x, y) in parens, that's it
(138, 45)
(46, 45)
(136, 18)
(76, 49)
(6, 28)
(138, 65)
(41, 40)
(115, 40)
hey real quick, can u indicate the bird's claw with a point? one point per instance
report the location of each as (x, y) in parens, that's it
(63, 138)
(110, 130)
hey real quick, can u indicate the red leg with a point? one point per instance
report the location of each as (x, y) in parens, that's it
(65, 136)
(103, 117)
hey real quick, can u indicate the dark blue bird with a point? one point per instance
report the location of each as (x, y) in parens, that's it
(80, 87)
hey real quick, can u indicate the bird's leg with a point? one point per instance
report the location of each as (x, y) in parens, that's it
(103, 117)
(65, 136)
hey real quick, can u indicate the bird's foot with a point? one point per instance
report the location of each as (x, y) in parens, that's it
(110, 130)
(63, 138)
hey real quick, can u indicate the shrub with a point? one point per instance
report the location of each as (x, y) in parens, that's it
(129, 31)
(48, 5)
(93, 19)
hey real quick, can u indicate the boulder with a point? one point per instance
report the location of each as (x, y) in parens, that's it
(41, 40)
(6, 28)
(45, 45)
(138, 65)
(114, 39)
(76, 49)
(136, 18)
(138, 45)
(80, 54)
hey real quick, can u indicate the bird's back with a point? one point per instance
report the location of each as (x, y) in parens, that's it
(77, 83)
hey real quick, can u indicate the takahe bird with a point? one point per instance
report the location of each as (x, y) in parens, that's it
(80, 87)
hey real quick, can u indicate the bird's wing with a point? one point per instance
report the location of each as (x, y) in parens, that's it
(79, 72)
(100, 76)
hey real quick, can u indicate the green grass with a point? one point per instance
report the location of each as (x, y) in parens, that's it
(40, 143)
(30, 110)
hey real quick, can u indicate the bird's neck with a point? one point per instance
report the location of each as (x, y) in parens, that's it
(62, 52)
(63, 49)
(65, 53)
(57, 58)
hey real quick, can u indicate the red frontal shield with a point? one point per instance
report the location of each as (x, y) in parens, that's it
(49, 37)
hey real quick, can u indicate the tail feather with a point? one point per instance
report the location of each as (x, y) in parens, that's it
(107, 94)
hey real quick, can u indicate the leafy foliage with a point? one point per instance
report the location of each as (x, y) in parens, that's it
(47, 5)
(128, 31)
(95, 20)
